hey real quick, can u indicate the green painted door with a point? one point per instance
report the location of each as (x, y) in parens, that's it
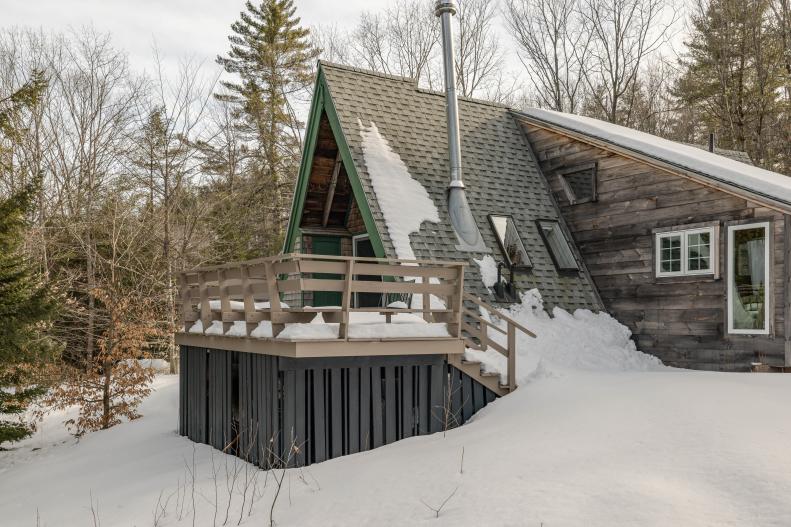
(331, 246)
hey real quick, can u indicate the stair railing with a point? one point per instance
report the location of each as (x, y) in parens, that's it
(471, 332)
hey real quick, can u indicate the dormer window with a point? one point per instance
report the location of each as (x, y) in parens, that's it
(579, 183)
(511, 245)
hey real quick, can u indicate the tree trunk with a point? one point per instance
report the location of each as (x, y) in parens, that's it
(107, 370)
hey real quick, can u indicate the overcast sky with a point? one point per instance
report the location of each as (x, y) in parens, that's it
(188, 28)
(179, 27)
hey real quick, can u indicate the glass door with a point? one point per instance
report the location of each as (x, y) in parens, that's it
(749, 279)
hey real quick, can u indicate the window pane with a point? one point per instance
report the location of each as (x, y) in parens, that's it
(558, 245)
(670, 254)
(698, 251)
(510, 242)
(748, 280)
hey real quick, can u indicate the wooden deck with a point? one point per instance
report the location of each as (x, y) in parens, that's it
(240, 307)
(224, 298)
(326, 348)
(260, 380)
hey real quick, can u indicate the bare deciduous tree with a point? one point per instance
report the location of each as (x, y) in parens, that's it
(400, 40)
(552, 47)
(623, 36)
(478, 54)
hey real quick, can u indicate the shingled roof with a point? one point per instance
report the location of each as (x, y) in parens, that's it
(500, 171)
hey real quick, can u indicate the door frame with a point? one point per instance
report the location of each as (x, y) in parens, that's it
(769, 291)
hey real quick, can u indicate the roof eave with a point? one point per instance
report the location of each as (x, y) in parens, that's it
(700, 177)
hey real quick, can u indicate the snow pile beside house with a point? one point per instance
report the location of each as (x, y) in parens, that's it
(564, 341)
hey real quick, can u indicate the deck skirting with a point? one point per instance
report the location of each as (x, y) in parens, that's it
(277, 411)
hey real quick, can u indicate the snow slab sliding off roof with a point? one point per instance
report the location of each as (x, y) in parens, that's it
(713, 166)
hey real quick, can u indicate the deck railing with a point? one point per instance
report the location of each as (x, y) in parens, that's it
(476, 329)
(253, 291)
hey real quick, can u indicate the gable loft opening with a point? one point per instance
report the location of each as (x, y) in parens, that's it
(331, 221)
(329, 199)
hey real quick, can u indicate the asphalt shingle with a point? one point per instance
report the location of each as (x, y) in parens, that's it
(499, 167)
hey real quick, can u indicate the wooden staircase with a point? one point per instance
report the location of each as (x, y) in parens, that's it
(475, 331)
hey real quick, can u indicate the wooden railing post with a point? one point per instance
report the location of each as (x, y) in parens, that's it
(425, 300)
(186, 304)
(346, 301)
(274, 298)
(511, 356)
(226, 314)
(205, 308)
(483, 335)
(249, 301)
(457, 302)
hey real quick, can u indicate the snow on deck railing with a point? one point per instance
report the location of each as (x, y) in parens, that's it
(218, 300)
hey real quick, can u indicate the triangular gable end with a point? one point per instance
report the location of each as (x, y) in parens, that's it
(325, 140)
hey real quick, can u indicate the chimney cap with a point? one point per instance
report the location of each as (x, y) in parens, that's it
(445, 6)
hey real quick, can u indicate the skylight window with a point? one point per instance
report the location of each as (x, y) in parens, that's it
(510, 243)
(558, 245)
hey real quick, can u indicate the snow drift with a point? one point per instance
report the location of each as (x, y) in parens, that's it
(580, 341)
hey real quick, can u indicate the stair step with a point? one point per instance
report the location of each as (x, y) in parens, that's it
(470, 362)
(489, 374)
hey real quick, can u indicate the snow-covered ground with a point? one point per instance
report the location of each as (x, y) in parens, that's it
(596, 434)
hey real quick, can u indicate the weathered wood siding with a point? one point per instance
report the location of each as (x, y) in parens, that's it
(272, 410)
(682, 320)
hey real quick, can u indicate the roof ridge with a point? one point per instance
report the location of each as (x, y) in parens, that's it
(466, 99)
(346, 67)
(411, 80)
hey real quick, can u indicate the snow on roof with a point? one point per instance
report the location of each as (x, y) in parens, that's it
(404, 201)
(711, 165)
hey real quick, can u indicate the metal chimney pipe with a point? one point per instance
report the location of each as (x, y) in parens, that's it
(459, 210)
(711, 142)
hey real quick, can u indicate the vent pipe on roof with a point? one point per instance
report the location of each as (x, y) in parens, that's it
(459, 210)
(711, 142)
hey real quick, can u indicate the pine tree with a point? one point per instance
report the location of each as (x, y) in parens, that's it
(732, 76)
(272, 56)
(24, 302)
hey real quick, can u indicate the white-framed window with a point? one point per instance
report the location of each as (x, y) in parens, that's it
(686, 252)
(749, 279)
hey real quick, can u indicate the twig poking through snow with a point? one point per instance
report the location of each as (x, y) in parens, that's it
(437, 510)
(94, 511)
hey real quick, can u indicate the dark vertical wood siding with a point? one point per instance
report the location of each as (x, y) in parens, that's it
(193, 393)
(274, 411)
(681, 320)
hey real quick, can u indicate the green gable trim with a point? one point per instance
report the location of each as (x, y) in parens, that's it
(322, 103)
(311, 134)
